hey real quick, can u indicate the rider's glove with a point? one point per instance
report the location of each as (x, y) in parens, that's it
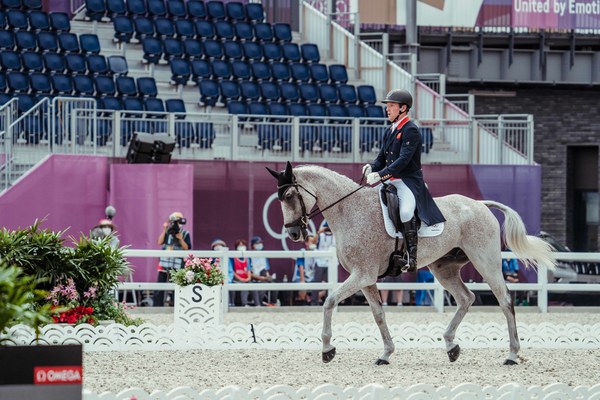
(367, 169)
(373, 177)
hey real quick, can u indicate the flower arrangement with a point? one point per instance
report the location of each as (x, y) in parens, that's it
(205, 271)
(76, 315)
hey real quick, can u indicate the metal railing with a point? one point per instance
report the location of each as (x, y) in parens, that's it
(542, 287)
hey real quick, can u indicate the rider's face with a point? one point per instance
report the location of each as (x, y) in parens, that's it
(393, 110)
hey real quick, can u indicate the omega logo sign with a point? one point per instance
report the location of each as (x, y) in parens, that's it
(57, 375)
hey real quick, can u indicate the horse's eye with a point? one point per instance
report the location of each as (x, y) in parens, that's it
(288, 196)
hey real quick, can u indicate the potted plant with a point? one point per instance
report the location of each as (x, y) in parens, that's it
(199, 291)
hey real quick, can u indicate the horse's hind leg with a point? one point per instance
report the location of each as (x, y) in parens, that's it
(448, 274)
(372, 295)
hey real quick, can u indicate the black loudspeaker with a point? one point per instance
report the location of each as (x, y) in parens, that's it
(146, 148)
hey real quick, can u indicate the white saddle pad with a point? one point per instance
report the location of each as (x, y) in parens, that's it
(424, 231)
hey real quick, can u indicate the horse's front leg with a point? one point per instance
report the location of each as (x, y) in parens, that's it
(374, 299)
(353, 284)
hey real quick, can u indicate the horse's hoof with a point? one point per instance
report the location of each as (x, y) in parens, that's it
(510, 362)
(381, 362)
(328, 355)
(453, 353)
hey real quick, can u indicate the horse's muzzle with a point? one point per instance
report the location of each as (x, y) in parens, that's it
(297, 233)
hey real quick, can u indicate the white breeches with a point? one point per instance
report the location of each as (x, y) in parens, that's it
(408, 203)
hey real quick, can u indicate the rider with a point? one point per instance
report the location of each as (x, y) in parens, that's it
(399, 160)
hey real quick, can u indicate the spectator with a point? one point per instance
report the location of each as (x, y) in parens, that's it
(238, 269)
(393, 296)
(172, 237)
(106, 228)
(259, 268)
(304, 269)
(325, 241)
(217, 245)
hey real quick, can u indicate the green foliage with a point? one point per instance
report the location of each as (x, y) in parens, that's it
(18, 300)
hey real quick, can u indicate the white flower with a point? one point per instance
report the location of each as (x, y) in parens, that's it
(190, 276)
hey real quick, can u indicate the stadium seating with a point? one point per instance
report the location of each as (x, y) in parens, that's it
(196, 9)
(180, 71)
(255, 12)
(176, 9)
(235, 11)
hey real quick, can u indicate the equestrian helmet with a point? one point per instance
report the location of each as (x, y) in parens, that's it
(399, 96)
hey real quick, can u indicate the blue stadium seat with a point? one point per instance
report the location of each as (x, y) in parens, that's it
(196, 9)
(17, 82)
(176, 106)
(229, 90)
(278, 109)
(193, 49)
(201, 69)
(269, 92)
(366, 94)
(133, 104)
(309, 92)
(115, 7)
(136, 8)
(61, 84)
(117, 65)
(2, 84)
(110, 103)
(300, 72)
(338, 73)
(32, 4)
(281, 72)
(147, 87)
(249, 91)
(47, 41)
(261, 71)
(25, 40)
(75, 64)
(26, 103)
(348, 94)
(172, 48)
(205, 29)
(235, 11)
(215, 10)
(10, 61)
(338, 111)
(54, 63)
(232, 50)
(2, 19)
(164, 28)
(272, 52)
(310, 53)
(105, 86)
(135, 124)
(83, 85)
(185, 29)
(356, 111)
(11, 4)
(291, 52)
(180, 71)
(17, 20)
(123, 28)
(32, 61)
(244, 31)
(252, 51)
(89, 43)
(39, 21)
(156, 8)
(126, 86)
(7, 40)
(213, 49)
(237, 107)
(221, 70)
(144, 27)
(154, 105)
(298, 109)
(374, 111)
(224, 30)
(289, 92)
(68, 43)
(282, 32)
(328, 93)
(319, 73)
(263, 31)
(209, 92)
(40, 83)
(95, 9)
(60, 22)
(255, 12)
(176, 9)
(5, 98)
(152, 50)
(241, 70)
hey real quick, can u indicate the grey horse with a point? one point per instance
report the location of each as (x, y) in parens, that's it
(471, 233)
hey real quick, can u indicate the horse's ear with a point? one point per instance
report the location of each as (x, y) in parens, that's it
(274, 173)
(288, 174)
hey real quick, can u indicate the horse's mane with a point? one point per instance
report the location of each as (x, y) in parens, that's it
(320, 170)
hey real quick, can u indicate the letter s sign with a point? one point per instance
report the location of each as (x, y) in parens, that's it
(196, 290)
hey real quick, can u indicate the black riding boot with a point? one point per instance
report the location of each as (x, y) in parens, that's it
(411, 238)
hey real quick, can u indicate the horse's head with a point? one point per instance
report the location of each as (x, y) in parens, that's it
(293, 206)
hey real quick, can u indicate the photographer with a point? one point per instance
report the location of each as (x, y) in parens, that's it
(173, 237)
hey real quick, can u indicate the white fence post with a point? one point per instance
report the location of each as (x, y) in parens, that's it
(542, 277)
(438, 296)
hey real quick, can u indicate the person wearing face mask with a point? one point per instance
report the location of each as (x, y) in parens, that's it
(106, 228)
(304, 269)
(259, 268)
(238, 269)
(399, 160)
(218, 245)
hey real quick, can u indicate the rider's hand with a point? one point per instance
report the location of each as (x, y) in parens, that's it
(367, 169)
(373, 177)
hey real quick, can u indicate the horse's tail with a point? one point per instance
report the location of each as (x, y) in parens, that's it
(532, 250)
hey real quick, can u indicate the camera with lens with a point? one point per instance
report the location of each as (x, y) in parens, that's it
(174, 226)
